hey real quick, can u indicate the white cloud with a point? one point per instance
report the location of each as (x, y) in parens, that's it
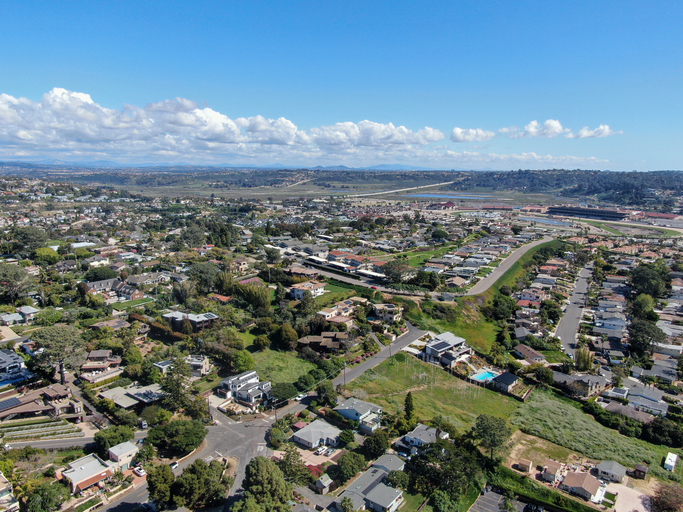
(471, 135)
(601, 131)
(550, 128)
(72, 126)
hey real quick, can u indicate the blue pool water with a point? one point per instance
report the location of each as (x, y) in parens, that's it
(485, 375)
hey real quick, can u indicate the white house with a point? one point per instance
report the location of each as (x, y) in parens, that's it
(317, 433)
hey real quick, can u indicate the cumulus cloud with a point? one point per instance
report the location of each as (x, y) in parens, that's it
(471, 135)
(601, 131)
(550, 128)
(71, 125)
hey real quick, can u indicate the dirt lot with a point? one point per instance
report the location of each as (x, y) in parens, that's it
(535, 449)
(628, 499)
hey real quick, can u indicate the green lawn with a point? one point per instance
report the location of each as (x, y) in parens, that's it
(247, 338)
(280, 367)
(555, 356)
(132, 303)
(435, 392)
(546, 416)
(413, 503)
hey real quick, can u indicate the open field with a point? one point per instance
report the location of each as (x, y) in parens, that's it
(434, 392)
(623, 229)
(280, 367)
(563, 423)
(535, 449)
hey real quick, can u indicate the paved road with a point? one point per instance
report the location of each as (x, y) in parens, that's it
(504, 266)
(569, 323)
(386, 352)
(478, 288)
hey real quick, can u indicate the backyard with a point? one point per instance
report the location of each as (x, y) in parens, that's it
(435, 392)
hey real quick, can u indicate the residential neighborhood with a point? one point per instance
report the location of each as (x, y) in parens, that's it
(364, 355)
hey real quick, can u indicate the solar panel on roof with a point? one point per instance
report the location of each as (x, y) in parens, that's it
(441, 346)
(7, 404)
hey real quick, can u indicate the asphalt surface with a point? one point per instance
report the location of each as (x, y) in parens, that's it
(482, 286)
(386, 352)
(569, 323)
(504, 266)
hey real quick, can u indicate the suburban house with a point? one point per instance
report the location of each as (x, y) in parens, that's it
(370, 492)
(551, 471)
(611, 470)
(367, 414)
(123, 454)
(254, 392)
(8, 502)
(198, 322)
(390, 463)
(327, 341)
(581, 484)
(101, 360)
(442, 344)
(648, 399)
(317, 433)
(87, 471)
(529, 354)
(581, 385)
(245, 387)
(200, 365)
(297, 290)
(387, 312)
(505, 381)
(420, 436)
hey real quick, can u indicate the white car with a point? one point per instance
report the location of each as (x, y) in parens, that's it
(321, 450)
(140, 471)
(299, 398)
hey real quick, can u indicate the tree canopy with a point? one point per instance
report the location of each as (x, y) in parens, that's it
(14, 281)
(491, 432)
(642, 335)
(105, 439)
(177, 437)
(265, 488)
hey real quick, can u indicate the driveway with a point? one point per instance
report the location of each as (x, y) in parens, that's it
(386, 352)
(628, 499)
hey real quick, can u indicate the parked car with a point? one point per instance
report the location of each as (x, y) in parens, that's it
(330, 451)
(174, 465)
(140, 471)
(321, 450)
(299, 398)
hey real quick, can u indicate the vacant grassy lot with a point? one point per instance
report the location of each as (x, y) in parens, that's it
(434, 392)
(280, 367)
(470, 324)
(547, 417)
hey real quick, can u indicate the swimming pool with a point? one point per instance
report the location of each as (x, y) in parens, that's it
(484, 375)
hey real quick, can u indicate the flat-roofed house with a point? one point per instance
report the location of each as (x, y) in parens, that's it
(87, 471)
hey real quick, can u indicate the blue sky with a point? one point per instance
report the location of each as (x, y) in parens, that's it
(465, 85)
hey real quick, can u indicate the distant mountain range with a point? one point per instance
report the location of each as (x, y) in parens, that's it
(112, 164)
